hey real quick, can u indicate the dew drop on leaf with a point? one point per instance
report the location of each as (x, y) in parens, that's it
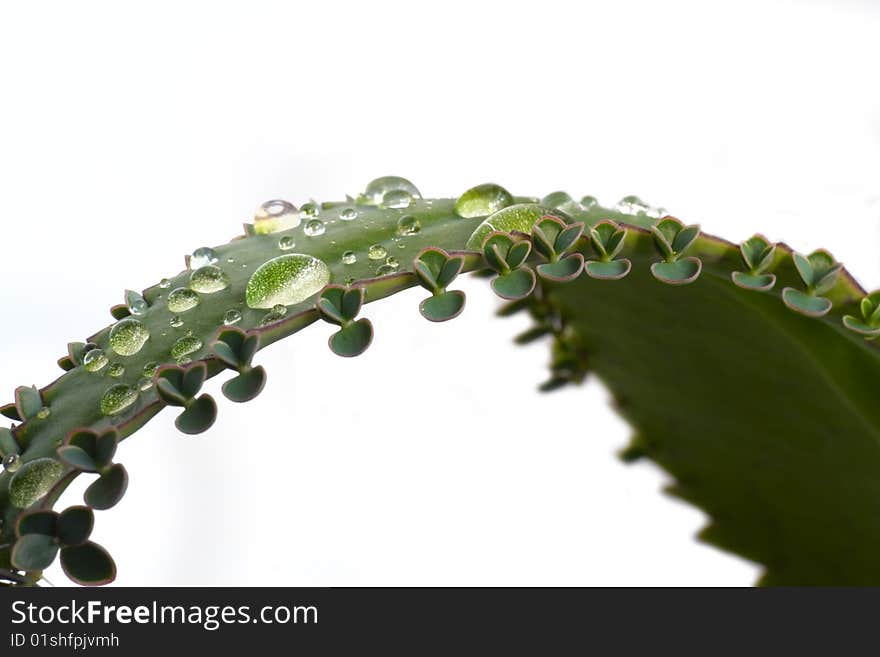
(128, 337)
(286, 280)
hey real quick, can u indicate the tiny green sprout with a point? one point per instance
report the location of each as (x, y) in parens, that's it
(554, 239)
(87, 451)
(340, 305)
(672, 239)
(507, 257)
(758, 255)
(819, 273)
(607, 239)
(178, 386)
(436, 269)
(28, 402)
(868, 324)
(236, 350)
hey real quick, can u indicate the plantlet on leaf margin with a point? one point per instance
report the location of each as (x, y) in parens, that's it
(178, 386)
(553, 238)
(436, 269)
(340, 305)
(869, 324)
(672, 239)
(607, 239)
(757, 254)
(236, 350)
(507, 257)
(819, 273)
(87, 451)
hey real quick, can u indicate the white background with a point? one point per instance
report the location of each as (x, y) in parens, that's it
(134, 132)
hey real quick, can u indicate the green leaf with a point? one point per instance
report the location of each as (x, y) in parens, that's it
(34, 552)
(226, 354)
(611, 271)
(193, 378)
(443, 307)
(450, 270)
(517, 284)
(804, 303)
(8, 443)
(495, 250)
(11, 412)
(75, 525)
(532, 334)
(804, 268)
(198, 417)
(28, 401)
(43, 521)
(106, 491)
(120, 311)
(105, 447)
(352, 300)
(857, 325)
(685, 238)
(168, 393)
(245, 386)
(88, 564)
(752, 250)
(568, 237)
(680, 272)
(566, 269)
(757, 282)
(353, 340)
(518, 253)
(77, 458)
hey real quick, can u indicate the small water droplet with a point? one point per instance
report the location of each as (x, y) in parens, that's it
(182, 299)
(397, 199)
(150, 369)
(230, 260)
(12, 463)
(138, 307)
(589, 202)
(286, 243)
(202, 257)
(116, 370)
(33, 481)
(44, 412)
(287, 280)
(377, 252)
(188, 344)
(310, 210)
(391, 261)
(272, 317)
(164, 283)
(379, 188)
(632, 205)
(208, 280)
(482, 200)
(408, 225)
(314, 228)
(117, 399)
(128, 337)
(401, 245)
(231, 317)
(95, 360)
(348, 214)
(175, 322)
(349, 258)
(349, 280)
(274, 216)
(384, 270)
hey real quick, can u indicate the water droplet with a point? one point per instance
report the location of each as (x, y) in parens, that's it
(378, 189)
(314, 228)
(116, 370)
(128, 337)
(278, 308)
(520, 217)
(397, 199)
(384, 270)
(175, 322)
(589, 202)
(230, 260)
(287, 280)
(348, 214)
(349, 280)
(349, 258)
(164, 283)
(202, 257)
(632, 205)
(377, 252)
(44, 412)
(392, 262)
(138, 307)
(182, 299)
(231, 317)
(274, 216)
(408, 225)
(117, 399)
(145, 384)
(95, 360)
(310, 210)
(12, 463)
(286, 243)
(482, 200)
(274, 316)
(33, 481)
(188, 344)
(208, 280)
(150, 369)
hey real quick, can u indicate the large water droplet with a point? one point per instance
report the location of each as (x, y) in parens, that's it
(202, 257)
(349, 258)
(33, 481)
(391, 261)
(188, 344)
(128, 337)
(12, 463)
(408, 225)
(314, 228)
(95, 360)
(632, 205)
(208, 280)
(482, 200)
(397, 199)
(348, 214)
(376, 252)
(286, 280)
(377, 190)
(286, 243)
(520, 217)
(182, 299)
(116, 370)
(274, 216)
(117, 399)
(231, 317)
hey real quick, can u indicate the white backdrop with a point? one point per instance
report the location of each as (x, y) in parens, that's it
(131, 133)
